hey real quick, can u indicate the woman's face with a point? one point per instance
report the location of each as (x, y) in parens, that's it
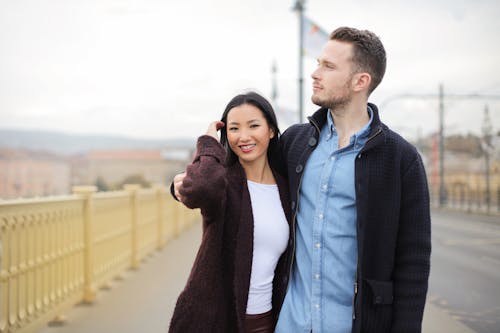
(248, 133)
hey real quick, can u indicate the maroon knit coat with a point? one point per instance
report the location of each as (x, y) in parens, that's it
(215, 296)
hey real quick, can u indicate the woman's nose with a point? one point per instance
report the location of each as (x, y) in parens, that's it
(244, 135)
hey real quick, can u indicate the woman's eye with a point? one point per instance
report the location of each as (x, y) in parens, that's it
(254, 126)
(232, 129)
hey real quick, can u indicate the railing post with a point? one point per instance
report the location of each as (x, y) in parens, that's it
(176, 218)
(132, 190)
(86, 193)
(160, 214)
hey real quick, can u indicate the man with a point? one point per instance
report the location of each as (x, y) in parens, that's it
(360, 202)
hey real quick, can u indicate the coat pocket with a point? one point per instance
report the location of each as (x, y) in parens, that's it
(381, 291)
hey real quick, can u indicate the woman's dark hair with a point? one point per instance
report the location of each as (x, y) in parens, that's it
(252, 98)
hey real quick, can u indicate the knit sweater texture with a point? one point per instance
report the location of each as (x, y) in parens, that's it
(216, 293)
(393, 223)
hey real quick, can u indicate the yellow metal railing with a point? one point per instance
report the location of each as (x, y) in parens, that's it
(56, 252)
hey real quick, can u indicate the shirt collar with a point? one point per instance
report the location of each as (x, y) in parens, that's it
(359, 135)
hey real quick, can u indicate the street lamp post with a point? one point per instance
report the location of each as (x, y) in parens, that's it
(299, 8)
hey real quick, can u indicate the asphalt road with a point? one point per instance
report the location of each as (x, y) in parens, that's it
(465, 269)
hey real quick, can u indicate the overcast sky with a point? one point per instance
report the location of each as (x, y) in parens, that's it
(164, 68)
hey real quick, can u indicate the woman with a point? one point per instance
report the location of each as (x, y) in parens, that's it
(238, 279)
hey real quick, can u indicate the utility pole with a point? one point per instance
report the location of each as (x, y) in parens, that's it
(487, 149)
(274, 85)
(442, 189)
(299, 8)
(441, 96)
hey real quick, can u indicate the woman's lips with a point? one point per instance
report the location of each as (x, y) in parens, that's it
(247, 148)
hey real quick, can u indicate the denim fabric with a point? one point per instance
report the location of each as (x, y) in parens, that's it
(321, 289)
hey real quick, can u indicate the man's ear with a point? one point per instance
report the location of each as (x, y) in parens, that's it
(361, 81)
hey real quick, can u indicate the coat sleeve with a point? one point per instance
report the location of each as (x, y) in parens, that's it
(205, 183)
(413, 250)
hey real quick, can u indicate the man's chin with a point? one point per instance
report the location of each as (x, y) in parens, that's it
(317, 101)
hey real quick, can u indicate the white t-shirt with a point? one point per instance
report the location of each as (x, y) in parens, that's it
(270, 238)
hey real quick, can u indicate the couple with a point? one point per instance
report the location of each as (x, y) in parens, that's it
(336, 241)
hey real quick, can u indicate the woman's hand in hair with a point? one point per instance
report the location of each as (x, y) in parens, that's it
(214, 127)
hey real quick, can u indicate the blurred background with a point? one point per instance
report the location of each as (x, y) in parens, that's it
(82, 79)
(113, 92)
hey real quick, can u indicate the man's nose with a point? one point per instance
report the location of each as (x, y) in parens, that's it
(315, 74)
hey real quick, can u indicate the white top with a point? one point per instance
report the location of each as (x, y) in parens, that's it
(270, 238)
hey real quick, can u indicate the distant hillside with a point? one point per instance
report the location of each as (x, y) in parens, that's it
(68, 144)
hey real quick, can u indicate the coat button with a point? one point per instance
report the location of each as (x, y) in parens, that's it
(293, 205)
(285, 279)
(378, 300)
(299, 168)
(312, 141)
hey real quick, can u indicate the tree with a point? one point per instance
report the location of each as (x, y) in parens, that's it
(134, 179)
(101, 184)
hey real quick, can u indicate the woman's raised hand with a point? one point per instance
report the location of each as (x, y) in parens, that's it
(214, 127)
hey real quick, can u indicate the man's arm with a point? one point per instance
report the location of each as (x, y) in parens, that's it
(413, 250)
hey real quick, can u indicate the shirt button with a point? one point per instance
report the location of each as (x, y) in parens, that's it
(324, 187)
(332, 158)
(320, 216)
(316, 276)
(318, 245)
(316, 306)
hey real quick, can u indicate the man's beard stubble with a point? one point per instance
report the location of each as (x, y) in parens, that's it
(335, 103)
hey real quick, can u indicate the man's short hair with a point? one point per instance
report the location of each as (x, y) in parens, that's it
(368, 52)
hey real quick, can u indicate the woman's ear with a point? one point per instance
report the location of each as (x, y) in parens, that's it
(271, 135)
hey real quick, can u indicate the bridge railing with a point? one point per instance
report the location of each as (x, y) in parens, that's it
(468, 193)
(56, 252)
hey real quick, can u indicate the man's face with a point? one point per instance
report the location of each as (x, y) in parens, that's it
(333, 76)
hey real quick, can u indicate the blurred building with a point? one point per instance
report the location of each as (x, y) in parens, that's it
(25, 173)
(113, 166)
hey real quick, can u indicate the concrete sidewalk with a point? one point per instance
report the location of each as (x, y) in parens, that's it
(145, 299)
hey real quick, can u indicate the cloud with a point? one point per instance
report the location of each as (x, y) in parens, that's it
(160, 68)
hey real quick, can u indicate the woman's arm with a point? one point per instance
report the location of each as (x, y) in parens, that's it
(204, 185)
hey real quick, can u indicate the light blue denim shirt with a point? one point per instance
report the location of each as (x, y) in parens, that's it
(321, 288)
